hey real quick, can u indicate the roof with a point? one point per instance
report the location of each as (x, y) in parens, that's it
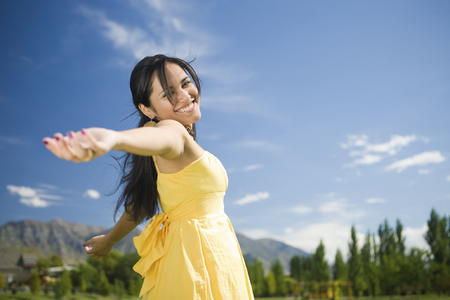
(8, 260)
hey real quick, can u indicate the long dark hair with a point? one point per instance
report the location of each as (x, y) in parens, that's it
(140, 196)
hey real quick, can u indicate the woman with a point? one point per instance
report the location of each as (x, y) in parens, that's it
(190, 250)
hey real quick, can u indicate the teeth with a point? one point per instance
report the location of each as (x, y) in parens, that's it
(189, 107)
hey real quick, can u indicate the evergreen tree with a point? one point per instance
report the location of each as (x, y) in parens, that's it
(119, 288)
(271, 284)
(415, 271)
(339, 267)
(63, 285)
(259, 285)
(321, 271)
(90, 276)
(389, 259)
(102, 286)
(369, 266)
(56, 261)
(278, 273)
(438, 238)
(354, 264)
(295, 267)
(400, 239)
(35, 282)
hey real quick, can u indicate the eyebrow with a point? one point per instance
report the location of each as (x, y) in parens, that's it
(183, 80)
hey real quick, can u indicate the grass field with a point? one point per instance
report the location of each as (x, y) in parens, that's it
(41, 296)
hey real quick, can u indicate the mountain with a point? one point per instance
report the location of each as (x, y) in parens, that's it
(57, 236)
(268, 250)
(67, 239)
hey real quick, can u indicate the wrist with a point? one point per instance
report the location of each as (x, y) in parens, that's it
(118, 141)
(110, 240)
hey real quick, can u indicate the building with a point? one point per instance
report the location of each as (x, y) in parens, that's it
(17, 267)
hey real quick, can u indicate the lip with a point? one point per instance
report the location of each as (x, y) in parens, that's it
(193, 107)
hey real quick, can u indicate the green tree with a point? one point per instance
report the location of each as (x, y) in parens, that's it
(119, 288)
(83, 286)
(123, 269)
(35, 282)
(63, 285)
(321, 271)
(278, 273)
(390, 258)
(416, 271)
(354, 263)
(90, 276)
(102, 286)
(295, 267)
(259, 285)
(271, 284)
(56, 261)
(43, 264)
(108, 264)
(339, 267)
(438, 238)
(369, 266)
(75, 277)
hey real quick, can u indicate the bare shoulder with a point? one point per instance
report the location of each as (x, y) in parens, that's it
(170, 123)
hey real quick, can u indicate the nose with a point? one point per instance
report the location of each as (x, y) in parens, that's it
(181, 95)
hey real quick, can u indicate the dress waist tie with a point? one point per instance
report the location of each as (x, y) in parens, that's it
(150, 244)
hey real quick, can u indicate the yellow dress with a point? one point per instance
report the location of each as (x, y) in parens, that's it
(190, 251)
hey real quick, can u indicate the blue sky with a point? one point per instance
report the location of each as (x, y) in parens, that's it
(324, 113)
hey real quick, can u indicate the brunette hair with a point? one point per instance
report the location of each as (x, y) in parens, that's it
(140, 196)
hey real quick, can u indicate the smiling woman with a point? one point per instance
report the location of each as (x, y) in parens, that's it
(190, 250)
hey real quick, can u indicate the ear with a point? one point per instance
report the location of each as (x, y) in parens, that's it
(147, 111)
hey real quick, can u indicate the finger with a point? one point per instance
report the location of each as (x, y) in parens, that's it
(68, 143)
(62, 146)
(54, 145)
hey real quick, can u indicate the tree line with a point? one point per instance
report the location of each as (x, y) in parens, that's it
(380, 266)
(110, 275)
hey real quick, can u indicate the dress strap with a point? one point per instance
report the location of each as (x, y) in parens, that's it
(156, 166)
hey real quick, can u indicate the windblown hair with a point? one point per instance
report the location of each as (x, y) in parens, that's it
(140, 196)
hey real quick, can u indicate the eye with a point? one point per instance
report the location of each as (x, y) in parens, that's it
(186, 83)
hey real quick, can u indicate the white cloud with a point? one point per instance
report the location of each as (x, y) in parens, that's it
(91, 194)
(421, 159)
(334, 235)
(28, 196)
(252, 198)
(392, 147)
(340, 207)
(252, 167)
(376, 200)
(34, 202)
(425, 171)
(369, 153)
(300, 209)
(367, 159)
(168, 31)
(414, 237)
(447, 178)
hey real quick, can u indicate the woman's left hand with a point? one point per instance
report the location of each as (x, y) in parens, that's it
(82, 146)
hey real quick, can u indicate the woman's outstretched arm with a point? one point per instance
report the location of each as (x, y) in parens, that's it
(167, 139)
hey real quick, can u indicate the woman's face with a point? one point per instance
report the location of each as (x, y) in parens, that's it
(184, 96)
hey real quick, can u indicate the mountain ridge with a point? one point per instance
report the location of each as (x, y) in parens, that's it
(66, 239)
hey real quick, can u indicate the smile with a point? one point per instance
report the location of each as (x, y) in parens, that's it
(188, 108)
